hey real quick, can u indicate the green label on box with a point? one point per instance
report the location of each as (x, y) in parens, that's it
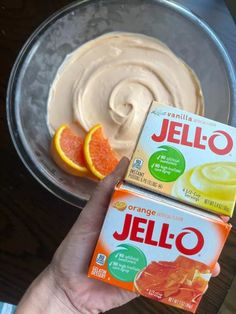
(126, 262)
(167, 164)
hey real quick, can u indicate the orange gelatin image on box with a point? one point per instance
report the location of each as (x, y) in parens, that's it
(180, 282)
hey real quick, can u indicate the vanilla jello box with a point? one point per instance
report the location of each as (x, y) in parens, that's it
(157, 247)
(186, 157)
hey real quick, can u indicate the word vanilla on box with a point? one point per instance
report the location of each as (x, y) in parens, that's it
(157, 247)
(186, 157)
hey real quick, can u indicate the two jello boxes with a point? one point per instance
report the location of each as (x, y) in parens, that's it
(155, 246)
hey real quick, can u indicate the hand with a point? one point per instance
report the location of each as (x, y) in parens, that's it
(71, 260)
(64, 286)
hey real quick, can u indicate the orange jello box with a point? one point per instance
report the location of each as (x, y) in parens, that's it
(158, 248)
(186, 157)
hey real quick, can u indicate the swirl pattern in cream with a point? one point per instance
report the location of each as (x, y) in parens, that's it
(113, 79)
(213, 184)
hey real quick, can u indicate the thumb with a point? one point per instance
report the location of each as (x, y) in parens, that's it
(98, 203)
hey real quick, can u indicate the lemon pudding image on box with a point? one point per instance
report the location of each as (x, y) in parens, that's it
(187, 157)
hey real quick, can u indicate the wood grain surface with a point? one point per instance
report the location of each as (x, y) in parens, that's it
(32, 221)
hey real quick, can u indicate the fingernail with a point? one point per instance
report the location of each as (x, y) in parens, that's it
(122, 167)
(119, 172)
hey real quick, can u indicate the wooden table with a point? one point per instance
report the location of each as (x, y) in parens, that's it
(32, 221)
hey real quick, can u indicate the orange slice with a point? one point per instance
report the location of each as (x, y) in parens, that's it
(101, 159)
(67, 151)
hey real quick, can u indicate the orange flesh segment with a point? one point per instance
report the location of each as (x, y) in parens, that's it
(102, 156)
(72, 146)
(171, 278)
